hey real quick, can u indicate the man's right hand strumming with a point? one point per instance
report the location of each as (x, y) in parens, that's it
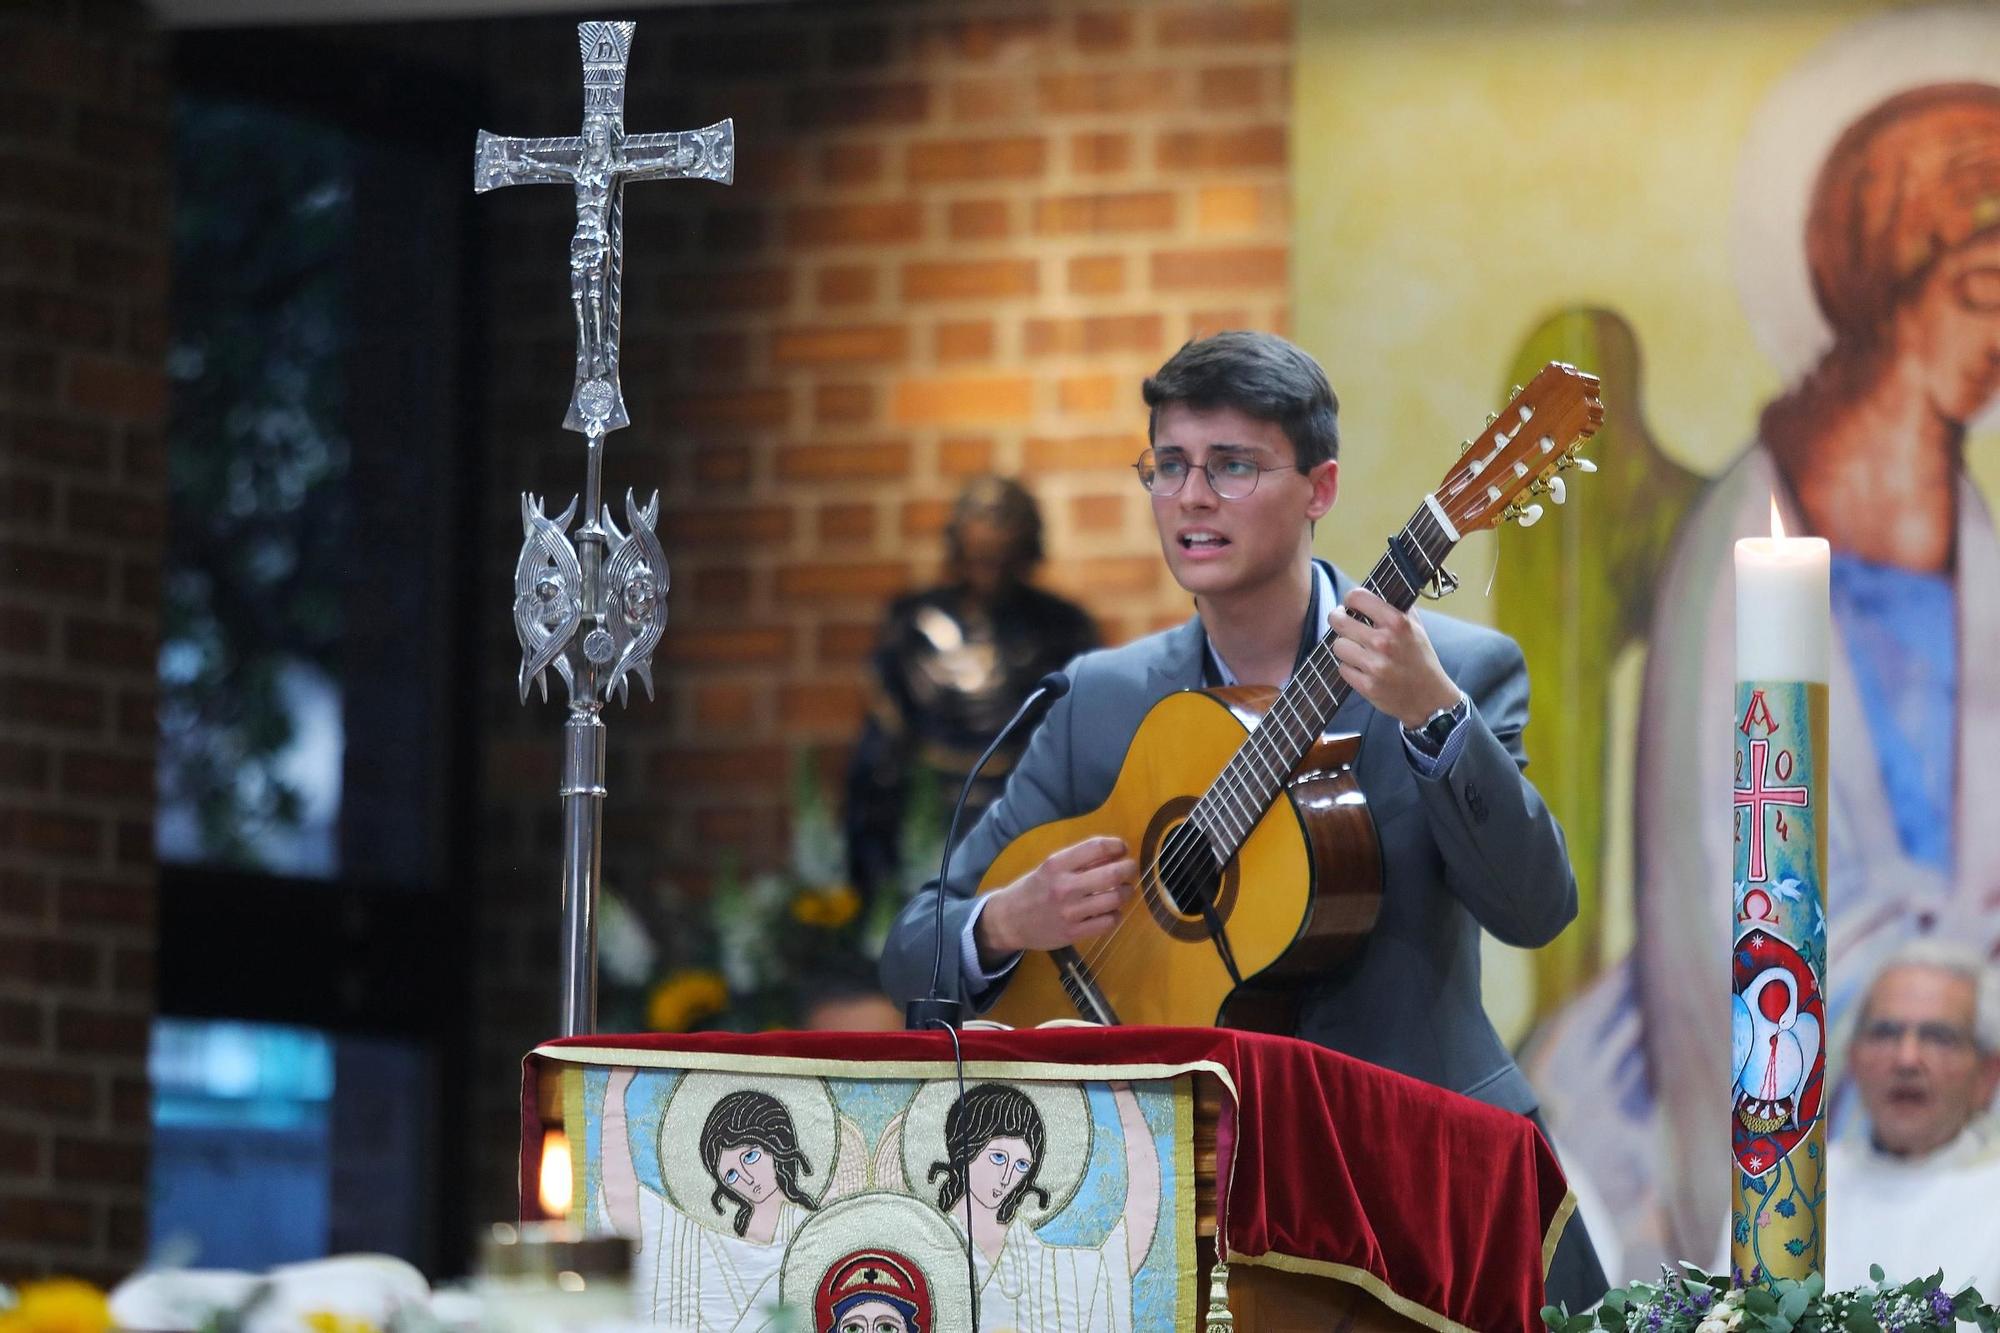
(1077, 894)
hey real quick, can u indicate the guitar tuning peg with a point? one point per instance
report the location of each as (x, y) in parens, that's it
(1492, 417)
(1514, 392)
(1583, 464)
(1557, 489)
(1531, 516)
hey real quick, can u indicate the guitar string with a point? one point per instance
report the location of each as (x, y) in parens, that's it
(1423, 526)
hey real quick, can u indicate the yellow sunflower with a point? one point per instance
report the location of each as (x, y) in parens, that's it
(58, 1305)
(831, 908)
(684, 999)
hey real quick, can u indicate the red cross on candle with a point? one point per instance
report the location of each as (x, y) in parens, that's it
(1756, 796)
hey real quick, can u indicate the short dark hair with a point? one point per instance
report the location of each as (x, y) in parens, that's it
(1260, 375)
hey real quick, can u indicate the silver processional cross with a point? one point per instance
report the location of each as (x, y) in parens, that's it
(593, 608)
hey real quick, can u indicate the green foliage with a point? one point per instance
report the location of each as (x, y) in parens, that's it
(1692, 1301)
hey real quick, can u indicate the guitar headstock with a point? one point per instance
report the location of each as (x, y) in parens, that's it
(1520, 450)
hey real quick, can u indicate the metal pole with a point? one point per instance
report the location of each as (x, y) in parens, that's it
(583, 845)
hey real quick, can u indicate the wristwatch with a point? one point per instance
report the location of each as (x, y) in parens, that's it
(1430, 737)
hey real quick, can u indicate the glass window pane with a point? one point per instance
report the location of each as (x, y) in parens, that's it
(241, 1143)
(276, 1144)
(251, 710)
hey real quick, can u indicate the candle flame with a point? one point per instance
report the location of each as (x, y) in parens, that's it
(555, 1182)
(1777, 523)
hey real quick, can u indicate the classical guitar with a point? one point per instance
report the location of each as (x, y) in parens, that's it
(1242, 895)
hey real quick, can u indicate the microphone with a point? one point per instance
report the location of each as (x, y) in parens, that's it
(935, 1010)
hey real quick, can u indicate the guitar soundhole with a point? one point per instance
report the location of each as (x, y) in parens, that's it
(1180, 874)
(1188, 870)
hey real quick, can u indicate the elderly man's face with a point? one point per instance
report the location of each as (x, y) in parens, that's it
(1922, 1076)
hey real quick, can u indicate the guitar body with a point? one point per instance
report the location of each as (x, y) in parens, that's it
(1300, 894)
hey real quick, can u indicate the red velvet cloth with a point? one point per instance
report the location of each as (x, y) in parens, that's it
(1445, 1201)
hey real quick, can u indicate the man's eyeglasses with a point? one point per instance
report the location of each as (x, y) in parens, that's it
(1231, 476)
(1938, 1038)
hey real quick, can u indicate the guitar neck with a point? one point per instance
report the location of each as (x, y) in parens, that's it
(1251, 780)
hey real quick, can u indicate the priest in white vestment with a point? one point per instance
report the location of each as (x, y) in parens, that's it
(1920, 1191)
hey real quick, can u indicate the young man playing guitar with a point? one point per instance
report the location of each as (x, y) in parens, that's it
(1243, 463)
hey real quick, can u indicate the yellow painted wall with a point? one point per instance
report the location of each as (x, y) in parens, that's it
(1463, 170)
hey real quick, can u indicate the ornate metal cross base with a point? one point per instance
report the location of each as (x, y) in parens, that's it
(593, 604)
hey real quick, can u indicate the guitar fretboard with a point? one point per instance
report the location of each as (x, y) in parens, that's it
(1251, 780)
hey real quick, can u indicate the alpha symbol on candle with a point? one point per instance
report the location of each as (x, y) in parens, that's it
(1758, 714)
(1756, 796)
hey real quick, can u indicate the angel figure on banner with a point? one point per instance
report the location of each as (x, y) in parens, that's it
(1014, 1157)
(744, 1162)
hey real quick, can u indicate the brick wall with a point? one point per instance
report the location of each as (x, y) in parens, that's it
(83, 275)
(959, 237)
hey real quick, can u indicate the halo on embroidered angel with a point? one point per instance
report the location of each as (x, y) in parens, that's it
(907, 1277)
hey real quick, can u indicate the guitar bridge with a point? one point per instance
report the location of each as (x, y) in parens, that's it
(1081, 987)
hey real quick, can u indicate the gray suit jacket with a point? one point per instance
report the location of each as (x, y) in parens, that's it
(1473, 847)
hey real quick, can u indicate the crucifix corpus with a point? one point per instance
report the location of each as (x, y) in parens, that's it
(593, 607)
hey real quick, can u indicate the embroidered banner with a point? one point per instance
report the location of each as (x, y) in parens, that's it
(1442, 1209)
(851, 1197)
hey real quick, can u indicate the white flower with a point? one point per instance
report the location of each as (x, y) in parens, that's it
(369, 1288)
(744, 918)
(624, 950)
(1725, 1316)
(819, 846)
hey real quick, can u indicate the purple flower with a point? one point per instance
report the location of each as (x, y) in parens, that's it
(1941, 1309)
